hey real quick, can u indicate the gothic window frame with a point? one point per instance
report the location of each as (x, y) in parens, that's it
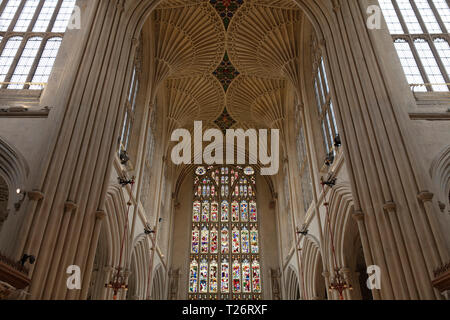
(324, 104)
(404, 29)
(130, 109)
(224, 254)
(50, 41)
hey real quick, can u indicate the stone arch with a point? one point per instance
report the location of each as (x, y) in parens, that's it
(14, 173)
(109, 246)
(313, 269)
(440, 173)
(140, 260)
(158, 284)
(347, 242)
(292, 285)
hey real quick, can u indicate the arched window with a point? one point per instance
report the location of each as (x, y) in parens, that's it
(128, 121)
(225, 247)
(420, 30)
(328, 125)
(31, 32)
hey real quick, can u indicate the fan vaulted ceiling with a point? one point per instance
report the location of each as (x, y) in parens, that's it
(233, 54)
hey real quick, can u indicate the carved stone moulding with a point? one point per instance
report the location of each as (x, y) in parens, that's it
(442, 278)
(13, 278)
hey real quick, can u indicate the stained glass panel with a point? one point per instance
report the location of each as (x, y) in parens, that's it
(193, 277)
(224, 235)
(236, 277)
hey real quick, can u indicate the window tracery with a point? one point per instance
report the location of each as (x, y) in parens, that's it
(31, 33)
(420, 31)
(225, 248)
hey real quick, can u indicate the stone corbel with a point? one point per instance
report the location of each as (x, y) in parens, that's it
(35, 195)
(390, 207)
(100, 215)
(70, 206)
(425, 196)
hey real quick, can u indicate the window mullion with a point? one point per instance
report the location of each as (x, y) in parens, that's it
(15, 62)
(439, 62)
(2, 7)
(16, 16)
(419, 17)
(35, 63)
(400, 17)
(438, 16)
(426, 80)
(54, 16)
(36, 15)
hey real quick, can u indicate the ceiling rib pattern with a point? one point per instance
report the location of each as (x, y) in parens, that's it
(192, 99)
(189, 40)
(257, 100)
(263, 39)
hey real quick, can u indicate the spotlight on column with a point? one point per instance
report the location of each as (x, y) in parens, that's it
(20, 198)
(27, 258)
(124, 158)
(329, 160)
(337, 141)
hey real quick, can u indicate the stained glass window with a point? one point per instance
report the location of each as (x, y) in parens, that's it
(31, 32)
(420, 31)
(325, 106)
(225, 247)
(130, 110)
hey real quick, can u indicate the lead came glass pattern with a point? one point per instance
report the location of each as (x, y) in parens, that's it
(225, 246)
(38, 26)
(420, 31)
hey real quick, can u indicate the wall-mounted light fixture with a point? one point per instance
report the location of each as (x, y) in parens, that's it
(20, 198)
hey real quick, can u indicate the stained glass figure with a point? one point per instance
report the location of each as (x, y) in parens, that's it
(214, 235)
(225, 208)
(195, 240)
(256, 277)
(236, 241)
(236, 277)
(203, 277)
(205, 240)
(246, 282)
(235, 211)
(196, 211)
(214, 211)
(205, 211)
(254, 240)
(225, 241)
(245, 240)
(193, 277)
(225, 277)
(253, 213)
(244, 211)
(213, 277)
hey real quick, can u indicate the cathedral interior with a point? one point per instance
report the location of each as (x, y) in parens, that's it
(93, 207)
